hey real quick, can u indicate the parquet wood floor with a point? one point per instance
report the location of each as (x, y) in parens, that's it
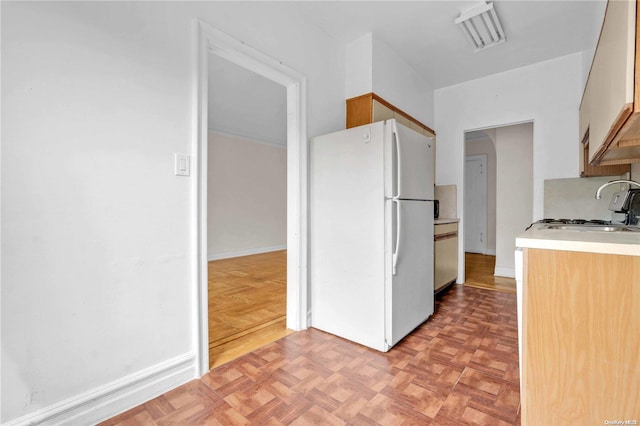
(247, 304)
(459, 367)
(479, 270)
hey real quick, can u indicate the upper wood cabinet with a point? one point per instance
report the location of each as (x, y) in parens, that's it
(610, 108)
(370, 108)
(587, 170)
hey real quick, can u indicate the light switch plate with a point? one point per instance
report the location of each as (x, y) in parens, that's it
(182, 165)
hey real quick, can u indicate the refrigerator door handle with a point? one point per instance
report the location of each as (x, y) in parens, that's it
(398, 232)
(396, 139)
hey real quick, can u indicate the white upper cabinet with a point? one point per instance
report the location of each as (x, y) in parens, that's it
(609, 111)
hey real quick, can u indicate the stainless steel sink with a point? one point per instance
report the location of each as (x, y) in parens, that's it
(592, 227)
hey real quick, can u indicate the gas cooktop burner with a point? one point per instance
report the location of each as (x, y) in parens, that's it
(599, 222)
(573, 222)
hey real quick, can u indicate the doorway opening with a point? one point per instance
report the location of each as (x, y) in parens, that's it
(496, 212)
(209, 41)
(247, 210)
(476, 203)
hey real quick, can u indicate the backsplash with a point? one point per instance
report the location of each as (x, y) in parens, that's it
(446, 194)
(574, 198)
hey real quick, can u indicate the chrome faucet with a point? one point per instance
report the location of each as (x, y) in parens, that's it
(630, 182)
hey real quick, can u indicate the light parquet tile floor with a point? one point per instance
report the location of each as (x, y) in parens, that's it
(479, 273)
(460, 367)
(247, 304)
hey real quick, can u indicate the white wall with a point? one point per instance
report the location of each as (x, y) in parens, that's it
(398, 83)
(247, 204)
(486, 146)
(514, 192)
(586, 59)
(359, 67)
(98, 300)
(373, 66)
(547, 93)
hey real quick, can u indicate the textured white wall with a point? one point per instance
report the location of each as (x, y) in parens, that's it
(514, 191)
(547, 93)
(247, 196)
(96, 250)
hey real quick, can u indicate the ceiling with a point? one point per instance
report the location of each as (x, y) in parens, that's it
(423, 34)
(243, 103)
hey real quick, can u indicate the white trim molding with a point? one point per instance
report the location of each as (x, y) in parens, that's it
(247, 252)
(208, 40)
(113, 398)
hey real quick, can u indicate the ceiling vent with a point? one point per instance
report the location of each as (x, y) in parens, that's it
(481, 26)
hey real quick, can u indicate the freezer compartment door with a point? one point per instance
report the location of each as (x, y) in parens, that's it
(409, 163)
(409, 284)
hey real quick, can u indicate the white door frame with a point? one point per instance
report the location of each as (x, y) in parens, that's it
(208, 40)
(483, 207)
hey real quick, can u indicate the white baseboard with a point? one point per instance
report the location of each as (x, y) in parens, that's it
(505, 272)
(491, 252)
(116, 397)
(239, 253)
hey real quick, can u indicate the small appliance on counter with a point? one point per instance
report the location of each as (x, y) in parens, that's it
(626, 207)
(624, 204)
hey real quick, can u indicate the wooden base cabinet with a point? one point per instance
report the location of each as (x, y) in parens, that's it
(581, 338)
(445, 255)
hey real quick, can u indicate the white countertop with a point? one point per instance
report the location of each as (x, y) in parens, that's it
(444, 220)
(623, 243)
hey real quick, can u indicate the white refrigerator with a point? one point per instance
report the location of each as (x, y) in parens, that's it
(371, 233)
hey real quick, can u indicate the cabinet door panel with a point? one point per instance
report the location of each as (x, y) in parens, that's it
(359, 111)
(580, 337)
(402, 119)
(610, 87)
(381, 112)
(446, 261)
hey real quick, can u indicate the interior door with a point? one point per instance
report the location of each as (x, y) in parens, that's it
(410, 297)
(475, 204)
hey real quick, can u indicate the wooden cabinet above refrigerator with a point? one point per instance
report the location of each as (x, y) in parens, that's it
(369, 108)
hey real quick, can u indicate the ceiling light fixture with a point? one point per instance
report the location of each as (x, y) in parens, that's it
(481, 26)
